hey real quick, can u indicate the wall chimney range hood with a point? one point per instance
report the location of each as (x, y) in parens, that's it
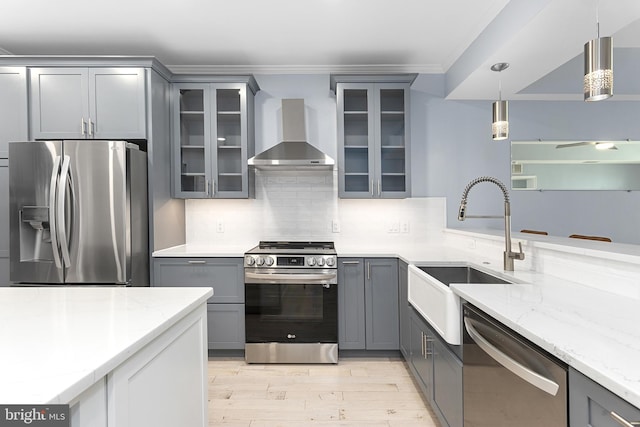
(294, 152)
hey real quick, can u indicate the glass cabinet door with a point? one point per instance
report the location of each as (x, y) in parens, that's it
(357, 127)
(192, 134)
(230, 115)
(373, 140)
(211, 137)
(392, 154)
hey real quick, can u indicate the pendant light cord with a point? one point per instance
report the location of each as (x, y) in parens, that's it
(597, 21)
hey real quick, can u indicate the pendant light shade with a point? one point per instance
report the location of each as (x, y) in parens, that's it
(598, 69)
(500, 124)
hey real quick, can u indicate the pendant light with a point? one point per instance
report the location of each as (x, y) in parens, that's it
(598, 67)
(500, 123)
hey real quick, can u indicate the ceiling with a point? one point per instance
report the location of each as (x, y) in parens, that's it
(460, 39)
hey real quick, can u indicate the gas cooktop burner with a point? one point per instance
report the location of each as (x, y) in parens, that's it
(296, 245)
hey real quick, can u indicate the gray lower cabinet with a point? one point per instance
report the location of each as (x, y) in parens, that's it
(447, 384)
(94, 103)
(4, 222)
(438, 371)
(421, 354)
(404, 309)
(225, 326)
(225, 309)
(351, 313)
(368, 304)
(591, 405)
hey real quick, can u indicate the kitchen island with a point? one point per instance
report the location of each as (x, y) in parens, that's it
(132, 356)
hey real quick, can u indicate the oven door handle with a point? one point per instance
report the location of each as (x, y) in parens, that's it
(533, 378)
(292, 278)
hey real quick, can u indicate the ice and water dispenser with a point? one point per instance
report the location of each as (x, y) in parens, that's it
(35, 234)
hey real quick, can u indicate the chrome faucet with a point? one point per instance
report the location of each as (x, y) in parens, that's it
(509, 255)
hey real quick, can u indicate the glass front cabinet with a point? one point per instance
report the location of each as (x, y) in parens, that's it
(213, 134)
(373, 136)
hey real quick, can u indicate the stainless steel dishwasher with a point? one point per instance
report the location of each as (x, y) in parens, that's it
(507, 380)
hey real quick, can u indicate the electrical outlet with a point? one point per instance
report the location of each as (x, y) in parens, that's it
(404, 226)
(335, 226)
(220, 226)
(394, 227)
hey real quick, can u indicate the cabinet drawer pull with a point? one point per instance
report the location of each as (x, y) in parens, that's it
(196, 262)
(622, 421)
(350, 262)
(83, 126)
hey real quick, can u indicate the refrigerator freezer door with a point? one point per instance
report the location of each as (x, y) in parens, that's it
(34, 252)
(95, 204)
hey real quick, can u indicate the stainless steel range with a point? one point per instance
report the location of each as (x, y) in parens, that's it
(291, 303)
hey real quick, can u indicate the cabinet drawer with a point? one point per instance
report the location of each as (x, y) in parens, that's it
(592, 405)
(225, 326)
(224, 275)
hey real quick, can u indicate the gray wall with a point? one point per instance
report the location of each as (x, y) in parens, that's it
(451, 145)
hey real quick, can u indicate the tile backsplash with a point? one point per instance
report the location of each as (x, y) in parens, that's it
(304, 205)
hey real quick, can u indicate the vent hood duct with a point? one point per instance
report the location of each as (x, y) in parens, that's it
(294, 152)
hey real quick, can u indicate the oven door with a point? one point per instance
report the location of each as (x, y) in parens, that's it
(291, 306)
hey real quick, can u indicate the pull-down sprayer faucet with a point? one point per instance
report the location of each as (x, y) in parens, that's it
(509, 255)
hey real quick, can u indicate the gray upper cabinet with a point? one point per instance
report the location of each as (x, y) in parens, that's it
(213, 137)
(13, 107)
(373, 136)
(93, 103)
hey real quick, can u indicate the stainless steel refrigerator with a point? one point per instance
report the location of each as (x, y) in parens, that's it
(78, 212)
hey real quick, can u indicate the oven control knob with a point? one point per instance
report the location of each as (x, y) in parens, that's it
(320, 261)
(249, 260)
(260, 261)
(269, 261)
(311, 262)
(330, 262)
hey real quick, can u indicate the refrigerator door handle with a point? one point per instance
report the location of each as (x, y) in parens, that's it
(62, 200)
(53, 226)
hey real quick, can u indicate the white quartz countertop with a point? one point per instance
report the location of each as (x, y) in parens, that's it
(594, 331)
(58, 341)
(202, 251)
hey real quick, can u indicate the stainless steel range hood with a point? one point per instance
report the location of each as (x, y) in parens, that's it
(294, 152)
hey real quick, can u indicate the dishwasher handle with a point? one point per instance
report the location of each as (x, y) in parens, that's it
(533, 378)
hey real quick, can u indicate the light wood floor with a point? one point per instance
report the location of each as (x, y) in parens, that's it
(356, 392)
